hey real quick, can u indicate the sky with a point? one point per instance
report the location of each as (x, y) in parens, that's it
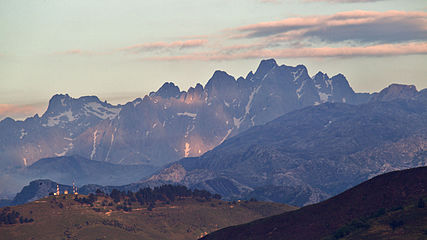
(119, 50)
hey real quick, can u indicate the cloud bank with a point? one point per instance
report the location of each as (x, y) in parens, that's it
(375, 50)
(345, 1)
(357, 26)
(191, 43)
(17, 110)
(344, 34)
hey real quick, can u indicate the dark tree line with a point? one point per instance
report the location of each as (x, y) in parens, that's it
(165, 193)
(12, 217)
(89, 200)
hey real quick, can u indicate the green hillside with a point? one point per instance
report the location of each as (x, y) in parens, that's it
(65, 217)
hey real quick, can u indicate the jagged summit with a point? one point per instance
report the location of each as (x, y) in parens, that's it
(61, 102)
(220, 80)
(265, 66)
(8, 120)
(169, 124)
(58, 101)
(167, 90)
(396, 91)
(66, 111)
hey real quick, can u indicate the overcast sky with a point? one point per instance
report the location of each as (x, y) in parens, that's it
(123, 49)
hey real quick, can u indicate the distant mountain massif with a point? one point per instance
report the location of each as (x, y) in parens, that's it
(168, 124)
(278, 134)
(311, 154)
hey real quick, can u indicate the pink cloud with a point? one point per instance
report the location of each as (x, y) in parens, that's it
(270, 1)
(374, 50)
(358, 33)
(165, 45)
(191, 43)
(81, 52)
(359, 26)
(344, 1)
(17, 111)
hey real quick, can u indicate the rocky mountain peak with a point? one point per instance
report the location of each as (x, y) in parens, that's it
(63, 102)
(167, 90)
(249, 76)
(194, 93)
(265, 66)
(58, 103)
(220, 80)
(169, 124)
(7, 121)
(320, 77)
(301, 67)
(396, 91)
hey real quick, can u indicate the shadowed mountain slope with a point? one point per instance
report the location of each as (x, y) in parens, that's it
(370, 199)
(168, 124)
(308, 155)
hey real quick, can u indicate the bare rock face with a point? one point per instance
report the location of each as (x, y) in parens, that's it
(311, 154)
(396, 91)
(174, 173)
(168, 124)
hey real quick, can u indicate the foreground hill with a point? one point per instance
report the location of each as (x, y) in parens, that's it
(311, 154)
(130, 216)
(385, 207)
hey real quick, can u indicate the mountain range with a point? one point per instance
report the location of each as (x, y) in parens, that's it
(76, 136)
(168, 124)
(300, 158)
(311, 154)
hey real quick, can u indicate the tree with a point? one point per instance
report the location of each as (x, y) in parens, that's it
(115, 195)
(99, 192)
(421, 203)
(92, 198)
(150, 207)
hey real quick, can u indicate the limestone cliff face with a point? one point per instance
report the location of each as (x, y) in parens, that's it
(311, 154)
(168, 124)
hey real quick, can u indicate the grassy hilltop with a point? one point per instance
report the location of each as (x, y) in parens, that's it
(123, 217)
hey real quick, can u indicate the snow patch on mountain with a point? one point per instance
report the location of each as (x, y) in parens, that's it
(23, 134)
(187, 149)
(66, 149)
(297, 74)
(237, 122)
(324, 97)
(111, 144)
(251, 98)
(192, 115)
(100, 111)
(56, 120)
(299, 90)
(226, 135)
(94, 144)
